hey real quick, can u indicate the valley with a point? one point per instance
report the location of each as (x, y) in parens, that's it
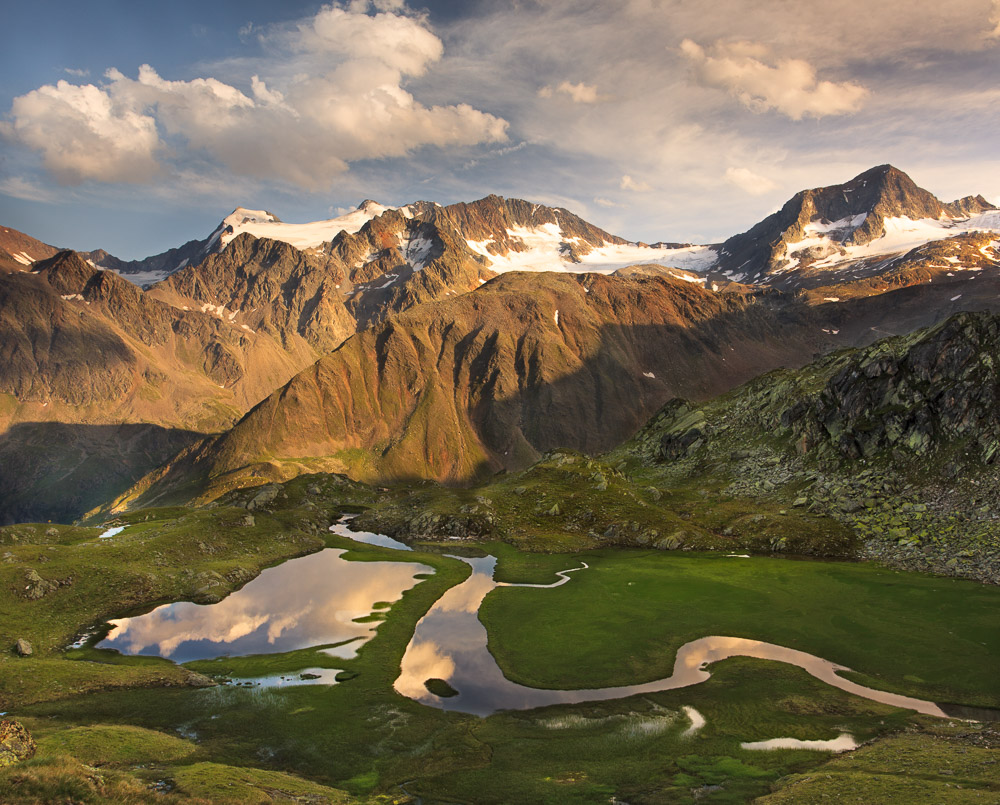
(481, 503)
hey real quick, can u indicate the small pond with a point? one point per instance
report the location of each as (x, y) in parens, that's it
(313, 600)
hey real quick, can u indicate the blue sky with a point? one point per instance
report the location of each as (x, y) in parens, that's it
(136, 126)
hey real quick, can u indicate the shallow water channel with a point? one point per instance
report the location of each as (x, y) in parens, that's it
(450, 643)
(318, 600)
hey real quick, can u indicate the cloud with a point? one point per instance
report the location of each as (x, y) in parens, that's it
(636, 185)
(337, 97)
(995, 20)
(749, 182)
(580, 93)
(606, 203)
(19, 187)
(789, 86)
(77, 72)
(422, 661)
(83, 132)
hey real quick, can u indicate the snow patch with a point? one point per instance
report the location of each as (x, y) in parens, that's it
(956, 298)
(112, 532)
(843, 743)
(23, 258)
(543, 251)
(556, 317)
(261, 224)
(650, 375)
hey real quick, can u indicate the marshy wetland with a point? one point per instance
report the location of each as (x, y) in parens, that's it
(560, 627)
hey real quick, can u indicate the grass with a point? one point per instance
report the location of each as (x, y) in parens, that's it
(569, 502)
(618, 622)
(163, 555)
(622, 621)
(939, 763)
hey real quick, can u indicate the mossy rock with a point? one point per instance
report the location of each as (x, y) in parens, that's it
(16, 743)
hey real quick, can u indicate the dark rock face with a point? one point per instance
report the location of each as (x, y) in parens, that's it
(16, 743)
(915, 397)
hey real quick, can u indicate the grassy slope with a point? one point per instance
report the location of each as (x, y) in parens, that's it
(172, 555)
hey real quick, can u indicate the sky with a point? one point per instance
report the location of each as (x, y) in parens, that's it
(135, 127)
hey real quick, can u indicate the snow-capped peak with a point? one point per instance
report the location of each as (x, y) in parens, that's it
(241, 216)
(262, 224)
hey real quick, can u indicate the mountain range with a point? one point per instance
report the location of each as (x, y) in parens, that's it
(436, 342)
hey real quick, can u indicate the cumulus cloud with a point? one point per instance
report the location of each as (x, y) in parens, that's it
(788, 86)
(580, 93)
(995, 20)
(83, 132)
(636, 185)
(749, 182)
(606, 202)
(338, 97)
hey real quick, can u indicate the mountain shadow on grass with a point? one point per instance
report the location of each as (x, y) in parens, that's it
(58, 472)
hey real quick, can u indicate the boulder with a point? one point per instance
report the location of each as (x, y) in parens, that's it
(264, 497)
(16, 743)
(22, 647)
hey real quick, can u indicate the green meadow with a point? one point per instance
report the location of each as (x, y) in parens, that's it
(140, 724)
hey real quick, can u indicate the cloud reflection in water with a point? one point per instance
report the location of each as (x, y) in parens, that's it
(309, 601)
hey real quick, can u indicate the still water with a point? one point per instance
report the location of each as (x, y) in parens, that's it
(317, 601)
(314, 600)
(450, 643)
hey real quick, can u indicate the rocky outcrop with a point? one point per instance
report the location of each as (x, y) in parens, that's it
(917, 395)
(16, 743)
(899, 440)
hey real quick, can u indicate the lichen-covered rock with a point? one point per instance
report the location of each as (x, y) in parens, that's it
(264, 497)
(36, 587)
(22, 647)
(16, 743)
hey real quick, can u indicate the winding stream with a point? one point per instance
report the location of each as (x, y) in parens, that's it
(323, 600)
(450, 644)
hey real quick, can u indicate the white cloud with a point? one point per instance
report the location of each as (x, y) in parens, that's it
(636, 185)
(606, 203)
(19, 187)
(995, 20)
(789, 86)
(580, 93)
(83, 132)
(77, 72)
(337, 98)
(749, 182)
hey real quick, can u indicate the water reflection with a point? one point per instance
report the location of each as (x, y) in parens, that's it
(307, 676)
(450, 643)
(341, 529)
(310, 601)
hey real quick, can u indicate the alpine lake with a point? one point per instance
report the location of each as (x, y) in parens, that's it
(456, 673)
